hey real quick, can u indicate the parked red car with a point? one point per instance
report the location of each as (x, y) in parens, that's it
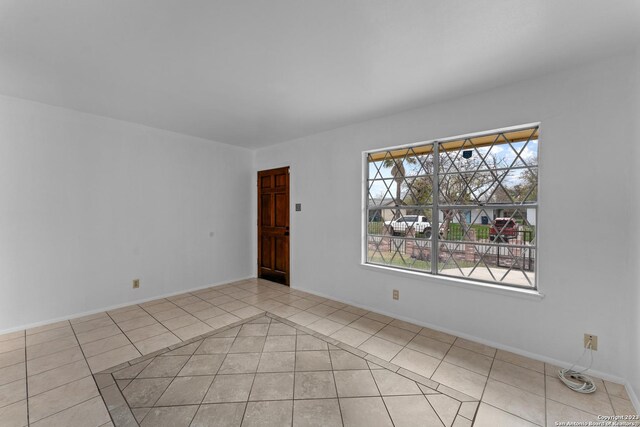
(503, 229)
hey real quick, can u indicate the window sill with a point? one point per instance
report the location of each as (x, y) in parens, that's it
(461, 283)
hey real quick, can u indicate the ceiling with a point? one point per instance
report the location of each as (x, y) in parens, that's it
(257, 72)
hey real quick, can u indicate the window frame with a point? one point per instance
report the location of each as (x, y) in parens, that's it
(435, 219)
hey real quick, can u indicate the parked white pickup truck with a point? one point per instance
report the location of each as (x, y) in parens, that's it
(419, 223)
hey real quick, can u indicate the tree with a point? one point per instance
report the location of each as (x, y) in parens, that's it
(461, 189)
(398, 172)
(461, 184)
(527, 189)
(478, 179)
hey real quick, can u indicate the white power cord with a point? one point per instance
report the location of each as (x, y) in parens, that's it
(582, 383)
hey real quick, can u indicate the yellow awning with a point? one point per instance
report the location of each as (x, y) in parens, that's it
(456, 144)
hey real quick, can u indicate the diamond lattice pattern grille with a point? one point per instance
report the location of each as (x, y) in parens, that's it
(463, 207)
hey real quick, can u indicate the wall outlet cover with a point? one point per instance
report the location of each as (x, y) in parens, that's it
(594, 341)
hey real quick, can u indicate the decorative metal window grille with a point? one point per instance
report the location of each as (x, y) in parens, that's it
(464, 207)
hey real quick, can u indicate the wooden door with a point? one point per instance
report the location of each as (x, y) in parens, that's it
(273, 225)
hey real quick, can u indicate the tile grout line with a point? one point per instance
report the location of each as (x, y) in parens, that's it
(369, 367)
(293, 392)
(111, 349)
(46, 330)
(137, 375)
(513, 415)
(519, 366)
(544, 384)
(94, 330)
(380, 393)
(179, 377)
(105, 403)
(91, 374)
(159, 322)
(366, 354)
(53, 354)
(475, 413)
(182, 343)
(434, 371)
(26, 377)
(214, 306)
(115, 383)
(335, 386)
(76, 404)
(484, 389)
(403, 347)
(176, 374)
(573, 406)
(283, 400)
(606, 390)
(434, 409)
(11, 382)
(396, 373)
(66, 364)
(442, 360)
(252, 381)
(204, 396)
(61, 385)
(97, 317)
(139, 327)
(515, 386)
(126, 336)
(14, 349)
(504, 410)
(164, 391)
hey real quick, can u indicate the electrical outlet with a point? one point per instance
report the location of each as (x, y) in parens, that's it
(136, 283)
(396, 294)
(594, 341)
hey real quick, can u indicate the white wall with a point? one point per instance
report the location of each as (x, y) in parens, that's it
(88, 203)
(586, 196)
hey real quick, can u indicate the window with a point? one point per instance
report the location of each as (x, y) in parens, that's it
(463, 207)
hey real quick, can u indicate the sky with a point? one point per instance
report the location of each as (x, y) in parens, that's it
(503, 153)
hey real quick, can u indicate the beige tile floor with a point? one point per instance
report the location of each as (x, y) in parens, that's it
(46, 372)
(270, 371)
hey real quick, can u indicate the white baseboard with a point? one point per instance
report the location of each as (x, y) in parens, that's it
(113, 307)
(599, 374)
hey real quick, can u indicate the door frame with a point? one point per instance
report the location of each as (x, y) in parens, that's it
(288, 225)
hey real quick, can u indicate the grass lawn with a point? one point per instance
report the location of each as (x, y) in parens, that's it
(414, 264)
